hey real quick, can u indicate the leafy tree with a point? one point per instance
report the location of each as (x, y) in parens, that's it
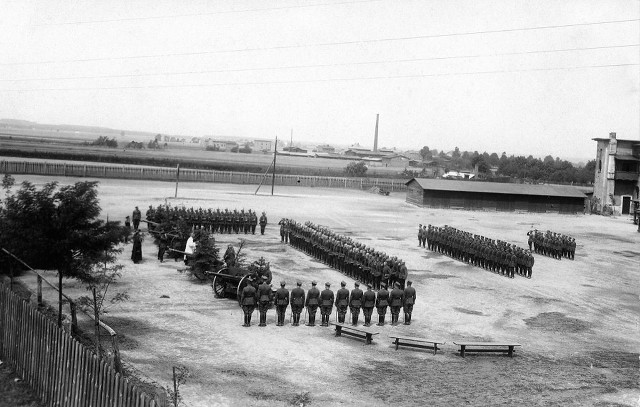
(59, 229)
(425, 153)
(206, 255)
(456, 153)
(354, 169)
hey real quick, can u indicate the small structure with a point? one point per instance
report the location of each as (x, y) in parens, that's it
(395, 160)
(458, 175)
(617, 176)
(262, 145)
(474, 195)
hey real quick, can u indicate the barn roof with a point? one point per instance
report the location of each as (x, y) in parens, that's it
(498, 187)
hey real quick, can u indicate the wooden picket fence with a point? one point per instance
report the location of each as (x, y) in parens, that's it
(62, 371)
(192, 175)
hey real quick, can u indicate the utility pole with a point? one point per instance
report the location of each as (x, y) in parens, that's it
(291, 142)
(177, 179)
(275, 152)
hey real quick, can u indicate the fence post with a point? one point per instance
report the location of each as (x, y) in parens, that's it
(116, 353)
(84, 171)
(74, 317)
(39, 290)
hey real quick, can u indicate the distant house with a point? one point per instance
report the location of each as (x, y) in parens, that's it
(216, 144)
(195, 140)
(395, 160)
(294, 150)
(262, 145)
(617, 177)
(326, 148)
(363, 152)
(458, 175)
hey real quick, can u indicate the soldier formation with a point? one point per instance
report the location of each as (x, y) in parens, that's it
(555, 245)
(355, 300)
(494, 255)
(212, 221)
(342, 253)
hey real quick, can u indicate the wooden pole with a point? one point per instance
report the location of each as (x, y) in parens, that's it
(177, 180)
(175, 388)
(96, 320)
(275, 152)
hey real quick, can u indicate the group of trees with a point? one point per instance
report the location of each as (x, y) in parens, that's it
(356, 169)
(59, 228)
(105, 142)
(548, 169)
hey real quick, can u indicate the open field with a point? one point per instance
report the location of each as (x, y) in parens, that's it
(178, 152)
(578, 321)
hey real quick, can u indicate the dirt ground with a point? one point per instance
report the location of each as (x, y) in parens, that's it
(577, 321)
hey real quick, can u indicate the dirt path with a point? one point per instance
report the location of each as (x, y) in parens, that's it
(578, 320)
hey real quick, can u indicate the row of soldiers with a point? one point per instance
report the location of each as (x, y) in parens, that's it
(552, 244)
(212, 221)
(494, 255)
(355, 259)
(355, 300)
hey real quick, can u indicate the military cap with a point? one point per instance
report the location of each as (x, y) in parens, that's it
(327, 285)
(299, 283)
(369, 286)
(357, 284)
(342, 283)
(409, 282)
(397, 284)
(282, 283)
(265, 277)
(314, 282)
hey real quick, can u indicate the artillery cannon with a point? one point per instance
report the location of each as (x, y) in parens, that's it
(229, 281)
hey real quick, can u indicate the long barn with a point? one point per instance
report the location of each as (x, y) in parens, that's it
(494, 196)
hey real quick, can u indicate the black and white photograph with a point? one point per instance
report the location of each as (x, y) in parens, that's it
(319, 203)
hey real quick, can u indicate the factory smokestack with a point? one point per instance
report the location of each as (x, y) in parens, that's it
(375, 138)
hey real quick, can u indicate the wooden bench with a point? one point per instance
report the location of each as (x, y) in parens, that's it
(421, 342)
(487, 347)
(354, 331)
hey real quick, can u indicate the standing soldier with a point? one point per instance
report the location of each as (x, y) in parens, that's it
(253, 220)
(313, 299)
(163, 243)
(355, 302)
(409, 300)
(420, 235)
(136, 218)
(127, 226)
(382, 301)
(368, 302)
(282, 302)
(264, 300)
(150, 216)
(342, 302)
(326, 301)
(263, 222)
(282, 232)
(297, 303)
(248, 301)
(402, 274)
(395, 298)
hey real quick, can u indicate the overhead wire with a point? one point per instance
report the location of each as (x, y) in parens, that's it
(320, 80)
(321, 44)
(285, 67)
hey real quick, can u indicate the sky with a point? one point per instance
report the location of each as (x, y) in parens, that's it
(532, 77)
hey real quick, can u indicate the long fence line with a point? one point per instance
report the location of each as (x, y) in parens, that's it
(58, 368)
(191, 175)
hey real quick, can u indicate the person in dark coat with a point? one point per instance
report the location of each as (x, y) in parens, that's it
(409, 300)
(263, 222)
(127, 225)
(264, 300)
(355, 302)
(326, 304)
(137, 215)
(313, 299)
(342, 302)
(282, 302)
(297, 303)
(248, 301)
(382, 301)
(368, 302)
(136, 253)
(396, 300)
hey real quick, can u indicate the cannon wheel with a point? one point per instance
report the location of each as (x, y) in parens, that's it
(218, 284)
(241, 285)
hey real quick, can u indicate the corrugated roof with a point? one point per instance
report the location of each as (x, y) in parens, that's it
(498, 187)
(626, 158)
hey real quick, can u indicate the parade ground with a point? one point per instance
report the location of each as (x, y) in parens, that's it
(577, 321)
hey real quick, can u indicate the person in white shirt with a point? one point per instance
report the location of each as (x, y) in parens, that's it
(189, 248)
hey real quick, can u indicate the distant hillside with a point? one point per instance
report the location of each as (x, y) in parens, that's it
(25, 124)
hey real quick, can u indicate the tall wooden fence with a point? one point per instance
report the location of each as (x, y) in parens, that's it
(188, 174)
(58, 368)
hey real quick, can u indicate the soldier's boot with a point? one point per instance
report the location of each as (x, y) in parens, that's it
(406, 319)
(245, 320)
(355, 320)
(249, 319)
(263, 319)
(380, 320)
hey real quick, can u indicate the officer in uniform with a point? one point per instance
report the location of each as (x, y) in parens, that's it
(297, 303)
(326, 304)
(263, 222)
(368, 302)
(382, 301)
(248, 301)
(395, 299)
(163, 243)
(355, 302)
(342, 302)
(282, 302)
(313, 299)
(409, 300)
(136, 218)
(264, 300)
